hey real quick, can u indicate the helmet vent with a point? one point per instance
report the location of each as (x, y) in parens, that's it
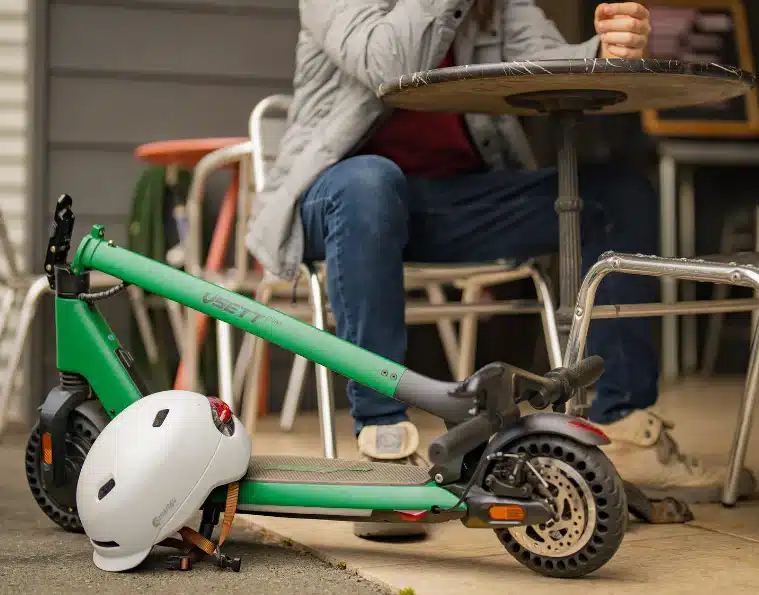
(105, 543)
(106, 488)
(160, 417)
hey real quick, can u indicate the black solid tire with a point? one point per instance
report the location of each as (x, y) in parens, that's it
(610, 500)
(80, 436)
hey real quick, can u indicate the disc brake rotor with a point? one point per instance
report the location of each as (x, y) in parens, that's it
(574, 513)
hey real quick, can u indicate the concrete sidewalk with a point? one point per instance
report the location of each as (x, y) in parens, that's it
(38, 557)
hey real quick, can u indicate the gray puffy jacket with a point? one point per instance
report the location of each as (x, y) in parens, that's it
(346, 49)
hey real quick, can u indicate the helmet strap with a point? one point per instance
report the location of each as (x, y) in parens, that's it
(196, 547)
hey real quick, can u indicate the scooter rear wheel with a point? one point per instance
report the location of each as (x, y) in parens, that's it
(590, 506)
(80, 436)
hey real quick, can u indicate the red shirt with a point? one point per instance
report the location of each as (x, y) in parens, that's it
(425, 144)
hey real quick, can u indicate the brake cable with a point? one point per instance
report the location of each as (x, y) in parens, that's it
(102, 295)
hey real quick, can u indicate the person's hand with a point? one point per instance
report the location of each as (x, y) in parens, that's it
(624, 29)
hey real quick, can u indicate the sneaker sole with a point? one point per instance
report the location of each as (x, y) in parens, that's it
(702, 495)
(388, 530)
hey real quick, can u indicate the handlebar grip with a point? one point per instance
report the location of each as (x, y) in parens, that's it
(585, 372)
(462, 438)
(565, 381)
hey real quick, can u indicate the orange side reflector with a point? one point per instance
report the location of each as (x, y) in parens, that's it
(47, 448)
(506, 512)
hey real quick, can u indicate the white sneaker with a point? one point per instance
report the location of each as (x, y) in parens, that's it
(646, 455)
(396, 443)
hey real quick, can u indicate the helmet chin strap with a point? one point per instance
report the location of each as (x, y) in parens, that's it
(196, 547)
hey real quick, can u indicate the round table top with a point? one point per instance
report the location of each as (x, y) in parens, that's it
(183, 152)
(642, 84)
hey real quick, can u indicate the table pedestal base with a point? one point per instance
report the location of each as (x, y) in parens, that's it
(567, 108)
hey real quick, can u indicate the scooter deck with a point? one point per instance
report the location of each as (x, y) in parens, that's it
(340, 489)
(318, 471)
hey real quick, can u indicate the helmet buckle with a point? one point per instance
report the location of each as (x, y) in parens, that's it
(224, 561)
(179, 563)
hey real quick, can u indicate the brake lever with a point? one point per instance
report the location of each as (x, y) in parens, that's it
(59, 244)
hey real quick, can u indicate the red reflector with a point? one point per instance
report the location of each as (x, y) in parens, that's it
(222, 409)
(583, 425)
(412, 515)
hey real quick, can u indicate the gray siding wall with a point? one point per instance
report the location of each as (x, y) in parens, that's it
(119, 73)
(112, 74)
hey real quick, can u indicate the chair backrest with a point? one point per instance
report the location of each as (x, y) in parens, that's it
(267, 127)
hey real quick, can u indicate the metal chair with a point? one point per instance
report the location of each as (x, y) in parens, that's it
(735, 269)
(266, 127)
(739, 234)
(25, 291)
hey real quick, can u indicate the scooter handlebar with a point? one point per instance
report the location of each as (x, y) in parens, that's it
(585, 372)
(565, 381)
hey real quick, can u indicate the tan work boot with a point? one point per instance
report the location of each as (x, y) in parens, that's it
(396, 443)
(646, 455)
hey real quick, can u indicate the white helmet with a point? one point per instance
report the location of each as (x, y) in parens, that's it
(152, 468)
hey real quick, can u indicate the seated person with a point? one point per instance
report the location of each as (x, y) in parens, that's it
(365, 188)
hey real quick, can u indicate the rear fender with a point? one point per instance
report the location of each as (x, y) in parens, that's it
(560, 424)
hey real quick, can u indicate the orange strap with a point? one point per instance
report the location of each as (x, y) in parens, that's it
(194, 544)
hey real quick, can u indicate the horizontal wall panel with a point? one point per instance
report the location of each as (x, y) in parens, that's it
(247, 6)
(104, 111)
(12, 176)
(13, 30)
(13, 213)
(104, 38)
(14, 209)
(12, 147)
(13, 91)
(12, 121)
(107, 189)
(12, 8)
(12, 61)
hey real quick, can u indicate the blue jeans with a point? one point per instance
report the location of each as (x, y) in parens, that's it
(365, 217)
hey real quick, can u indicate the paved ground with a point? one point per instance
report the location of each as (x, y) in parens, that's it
(38, 557)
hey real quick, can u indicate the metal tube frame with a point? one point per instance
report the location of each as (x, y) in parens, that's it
(681, 269)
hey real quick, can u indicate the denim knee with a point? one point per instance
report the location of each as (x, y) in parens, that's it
(369, 193)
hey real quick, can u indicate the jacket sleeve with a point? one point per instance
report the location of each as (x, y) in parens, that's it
(375, 42)
(530, 35)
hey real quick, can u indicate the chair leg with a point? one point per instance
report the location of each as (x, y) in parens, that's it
(714, 332)
(324, 386)
(548, 318)
(177, 321)
(142, 318)
(729, 243)
(9, 298)
(224, 362)
(26, 316)
(291, 402)
(743, 432)
(249, 406)
(755, 313)
(242, 363)
(445, 327)
(294, 392)
(468, 334)
(249, 386)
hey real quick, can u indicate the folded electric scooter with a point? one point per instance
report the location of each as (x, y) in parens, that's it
(540, 481)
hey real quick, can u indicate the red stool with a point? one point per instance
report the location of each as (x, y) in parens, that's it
(186, 153)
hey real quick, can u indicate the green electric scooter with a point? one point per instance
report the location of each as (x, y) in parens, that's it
(540, 482)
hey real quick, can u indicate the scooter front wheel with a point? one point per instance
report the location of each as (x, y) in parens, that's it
(589, 503)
